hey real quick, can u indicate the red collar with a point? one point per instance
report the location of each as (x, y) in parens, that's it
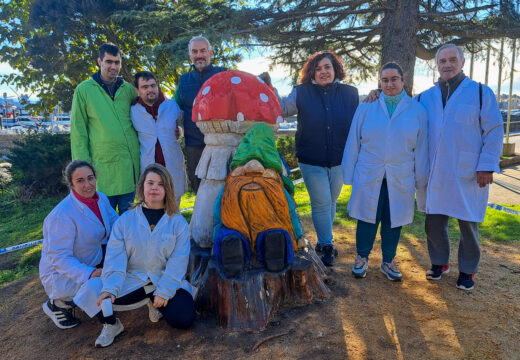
(86, 201)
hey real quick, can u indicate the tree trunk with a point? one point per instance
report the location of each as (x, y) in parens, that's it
(488, 60)
(399, 37)
(249, 302)
(471, 65)
(500, 60)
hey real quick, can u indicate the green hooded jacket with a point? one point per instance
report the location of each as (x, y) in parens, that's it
(102, 133)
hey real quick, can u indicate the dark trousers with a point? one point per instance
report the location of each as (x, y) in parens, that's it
(193, 154)
(122, 202)
(436, 226)
(178, 313)
(366, 232)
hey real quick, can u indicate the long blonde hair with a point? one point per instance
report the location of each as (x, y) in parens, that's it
(170, 205)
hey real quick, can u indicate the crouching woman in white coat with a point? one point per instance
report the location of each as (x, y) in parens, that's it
(74, 236)
(385, 160)
(147, 258)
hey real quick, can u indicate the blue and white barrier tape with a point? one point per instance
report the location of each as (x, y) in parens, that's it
(298, 181)
(36, 242)
(504, 209)
(20, 246)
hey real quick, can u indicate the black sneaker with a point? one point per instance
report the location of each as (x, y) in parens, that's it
(63, 318)
(274, 252)
(233, 257)
(466, 281)
(328, 255)
(319, 249)
(435, 273)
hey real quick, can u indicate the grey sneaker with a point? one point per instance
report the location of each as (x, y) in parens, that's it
(109, 333)
(359, 270)
(391, 271)
(153, 314)
(62, 317)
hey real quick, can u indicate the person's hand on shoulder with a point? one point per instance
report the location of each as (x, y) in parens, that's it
(372, 96)
(266, 78)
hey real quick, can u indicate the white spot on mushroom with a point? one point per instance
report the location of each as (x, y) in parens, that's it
(206, 90)
(236, 80)
(200, 117)
(194, 101)
(264, 97)
(262, 81)
(279, 119)
(240, 116)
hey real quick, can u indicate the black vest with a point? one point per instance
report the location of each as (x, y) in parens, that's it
(324, 118)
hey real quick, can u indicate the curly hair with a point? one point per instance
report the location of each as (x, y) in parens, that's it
(309, 69)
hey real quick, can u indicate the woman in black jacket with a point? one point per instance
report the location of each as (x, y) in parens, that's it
(325, 108)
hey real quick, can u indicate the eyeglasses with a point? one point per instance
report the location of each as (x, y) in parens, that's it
(392, 80)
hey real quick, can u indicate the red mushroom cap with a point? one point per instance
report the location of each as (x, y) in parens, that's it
(237, 96)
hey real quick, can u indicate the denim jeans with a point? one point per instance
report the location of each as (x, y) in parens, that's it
(324, 186)
(121, 202)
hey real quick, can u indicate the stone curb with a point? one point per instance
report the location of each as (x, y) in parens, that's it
(511, 161)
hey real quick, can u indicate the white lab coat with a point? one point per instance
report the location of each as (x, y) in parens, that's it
(149, 130)
(379, 145)
(461, 145)
(72, 239)
(136, 255)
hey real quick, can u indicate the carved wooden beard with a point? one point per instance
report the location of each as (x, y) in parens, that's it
(254, 201)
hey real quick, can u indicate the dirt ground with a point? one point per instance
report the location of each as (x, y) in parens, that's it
(506, 188)
(371, 318)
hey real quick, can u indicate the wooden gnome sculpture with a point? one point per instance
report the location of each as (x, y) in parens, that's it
(261, 260)
(227, 105)
(254, 213)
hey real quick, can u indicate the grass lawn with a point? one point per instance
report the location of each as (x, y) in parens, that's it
(23, 223)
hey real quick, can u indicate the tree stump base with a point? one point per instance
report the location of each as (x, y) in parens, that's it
(249, 302)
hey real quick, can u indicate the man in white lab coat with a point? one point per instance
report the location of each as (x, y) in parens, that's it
(465, 143)
(155, 119)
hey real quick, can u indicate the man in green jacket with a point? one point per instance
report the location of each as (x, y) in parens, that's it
(102, 132)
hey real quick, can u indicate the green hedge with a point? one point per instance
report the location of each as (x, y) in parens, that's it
(37, 161)
(285, 146)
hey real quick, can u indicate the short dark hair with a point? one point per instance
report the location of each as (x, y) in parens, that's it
(392, 65)
(72, 166)
(110, 48)
(145, 75)
(309, 69)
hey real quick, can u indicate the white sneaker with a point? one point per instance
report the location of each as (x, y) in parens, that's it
(153, 314)
(109, 333)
